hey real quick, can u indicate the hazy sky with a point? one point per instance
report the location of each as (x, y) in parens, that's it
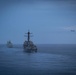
(50, 21)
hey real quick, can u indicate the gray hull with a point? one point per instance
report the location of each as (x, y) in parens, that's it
(30, 49)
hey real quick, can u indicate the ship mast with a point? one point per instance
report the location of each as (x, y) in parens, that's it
(28, 37)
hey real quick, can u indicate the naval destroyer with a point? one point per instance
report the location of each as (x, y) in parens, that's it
(28, 45)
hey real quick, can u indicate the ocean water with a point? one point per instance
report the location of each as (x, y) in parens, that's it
(50, 59)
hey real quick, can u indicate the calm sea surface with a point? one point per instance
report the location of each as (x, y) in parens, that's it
(50, 59)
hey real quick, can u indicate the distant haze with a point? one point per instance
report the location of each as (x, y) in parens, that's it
(50, 21)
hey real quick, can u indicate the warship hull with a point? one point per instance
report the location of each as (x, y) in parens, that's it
(30, 48)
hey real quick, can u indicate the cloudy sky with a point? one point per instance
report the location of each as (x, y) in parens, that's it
(50, 21)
